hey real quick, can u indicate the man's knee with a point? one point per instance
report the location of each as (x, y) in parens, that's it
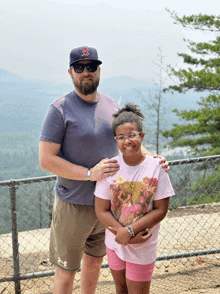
(92, 262)
(64, 276)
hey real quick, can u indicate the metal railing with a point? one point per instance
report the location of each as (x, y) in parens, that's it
(194, 213)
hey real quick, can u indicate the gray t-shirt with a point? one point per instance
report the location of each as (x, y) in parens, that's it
(84, 131)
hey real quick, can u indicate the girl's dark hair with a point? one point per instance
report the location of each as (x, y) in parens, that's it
(130, 113)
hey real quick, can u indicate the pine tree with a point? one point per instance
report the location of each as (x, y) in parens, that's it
(202, 133)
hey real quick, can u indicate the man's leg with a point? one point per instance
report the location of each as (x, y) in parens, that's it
(63, 281)
(90, 273)
(66, 258)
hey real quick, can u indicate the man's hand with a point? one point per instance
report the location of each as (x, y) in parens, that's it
(105, 168)
(162, 160)
(122, 235)
(141, 237)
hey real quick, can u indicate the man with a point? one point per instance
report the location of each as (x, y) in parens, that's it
(76, 144)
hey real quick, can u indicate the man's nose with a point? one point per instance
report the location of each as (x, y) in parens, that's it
(85, 72)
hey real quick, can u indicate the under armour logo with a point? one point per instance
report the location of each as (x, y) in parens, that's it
(85, 51)
(64, 263)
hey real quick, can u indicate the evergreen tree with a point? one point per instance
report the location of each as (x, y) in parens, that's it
(202, 133)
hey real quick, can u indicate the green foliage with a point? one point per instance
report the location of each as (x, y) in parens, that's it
(202, 133)
(207, 189)
(19, 159)
(18, 156)
(34, 202)
(201, 22)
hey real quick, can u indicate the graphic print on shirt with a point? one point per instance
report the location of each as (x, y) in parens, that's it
(131, 200)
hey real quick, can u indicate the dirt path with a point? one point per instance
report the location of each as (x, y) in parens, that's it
(181, 231)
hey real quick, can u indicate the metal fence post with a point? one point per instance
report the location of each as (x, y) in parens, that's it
(15, 245)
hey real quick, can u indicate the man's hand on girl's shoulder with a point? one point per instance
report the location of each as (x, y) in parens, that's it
(162, 160)
(105, 168)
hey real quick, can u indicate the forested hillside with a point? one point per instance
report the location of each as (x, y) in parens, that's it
(24, 103)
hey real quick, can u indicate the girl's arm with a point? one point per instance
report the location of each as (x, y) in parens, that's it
(123, 237)
(102, 210)
(160, 208)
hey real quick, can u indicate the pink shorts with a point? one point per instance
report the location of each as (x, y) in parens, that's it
(134, 272)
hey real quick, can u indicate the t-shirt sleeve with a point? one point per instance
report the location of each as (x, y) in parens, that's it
(102, 189)
(53, 127)
(164, 187)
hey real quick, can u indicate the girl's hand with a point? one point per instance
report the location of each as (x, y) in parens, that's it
(112, 230)
(141, 237)
(162, 160)
(122, 235)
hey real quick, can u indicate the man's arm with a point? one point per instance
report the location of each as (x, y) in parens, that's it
(50, 161)
(162, 158)
(144, 150)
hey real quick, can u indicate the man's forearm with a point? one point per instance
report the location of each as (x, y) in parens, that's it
(51, 161)
(64, 168)
(144, 150)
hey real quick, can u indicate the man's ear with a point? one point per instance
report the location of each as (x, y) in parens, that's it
(142, 136)
(69, 71)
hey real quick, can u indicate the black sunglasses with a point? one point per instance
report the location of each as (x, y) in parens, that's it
(79, 67)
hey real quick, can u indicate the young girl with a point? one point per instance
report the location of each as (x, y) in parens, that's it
(131, 205)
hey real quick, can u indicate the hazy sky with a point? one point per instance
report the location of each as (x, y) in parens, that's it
(37, 35)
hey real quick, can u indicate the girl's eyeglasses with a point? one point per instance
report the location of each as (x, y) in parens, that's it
(130, 136)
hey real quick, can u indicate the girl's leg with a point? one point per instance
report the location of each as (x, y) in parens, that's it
(120, 281)
(135, 287)
(117, 267)
(138, 277)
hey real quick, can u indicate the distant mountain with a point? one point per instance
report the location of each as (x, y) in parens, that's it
(24, 103)
(122, 83)
(6, 76)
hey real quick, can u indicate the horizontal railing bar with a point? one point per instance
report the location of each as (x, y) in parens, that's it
(27, 180)
(188, 254)
(53, 177)
(193, 160)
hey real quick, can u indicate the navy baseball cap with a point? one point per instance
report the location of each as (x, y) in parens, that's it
(84, 53)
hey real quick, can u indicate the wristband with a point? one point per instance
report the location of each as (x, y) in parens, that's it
(130, 230)
(88, 175)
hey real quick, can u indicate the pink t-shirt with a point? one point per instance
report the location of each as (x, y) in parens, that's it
(132, 192)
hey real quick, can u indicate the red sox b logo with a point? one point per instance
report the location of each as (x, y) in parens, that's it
(85, 51)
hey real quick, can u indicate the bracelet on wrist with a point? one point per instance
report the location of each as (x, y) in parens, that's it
(88, 175)
(130, 230)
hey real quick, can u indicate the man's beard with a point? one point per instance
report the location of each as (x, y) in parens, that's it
(86, 88)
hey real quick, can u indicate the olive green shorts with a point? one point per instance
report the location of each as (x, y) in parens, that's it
(75, 230)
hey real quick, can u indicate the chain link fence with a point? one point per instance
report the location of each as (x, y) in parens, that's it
(188, 241)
